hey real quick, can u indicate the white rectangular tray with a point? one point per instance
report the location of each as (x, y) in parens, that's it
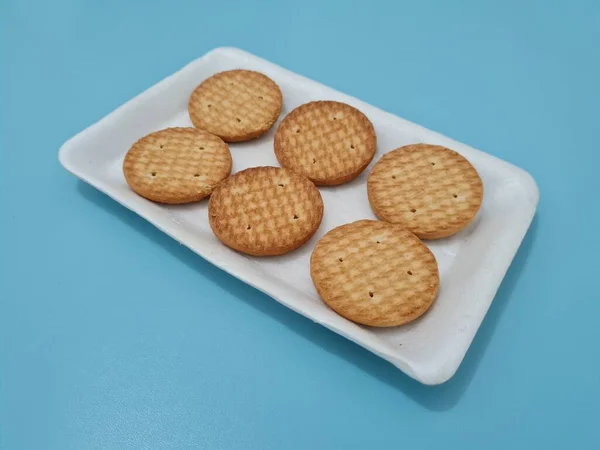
(472, 263)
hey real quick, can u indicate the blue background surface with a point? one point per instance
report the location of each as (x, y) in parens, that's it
(114, 336)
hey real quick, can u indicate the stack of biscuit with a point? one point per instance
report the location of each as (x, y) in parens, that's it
(373, 272)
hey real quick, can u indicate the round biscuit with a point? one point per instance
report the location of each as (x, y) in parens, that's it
(431, 190)
(176, 165)
(375, 273)
(236, 105)
(328, 142)
(265, 211)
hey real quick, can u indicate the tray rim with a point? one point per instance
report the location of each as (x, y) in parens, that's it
(277, 291)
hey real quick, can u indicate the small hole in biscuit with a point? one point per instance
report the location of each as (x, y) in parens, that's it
(280, 185)
(314, 160)
(238, 119)
(201, 148)
(295, 216)
(334, 118)
(196, 174)
(161, 146)
(297, 130)
(153, 174)
(231, 84)
(341, 259)
(379, 242)
(394, 177)
(248, 227)
(210, 106)
(352, 146)
(409, 272)
(433, 164)
(455, 196)
(260, 97)
(413, 210)
(371, 294)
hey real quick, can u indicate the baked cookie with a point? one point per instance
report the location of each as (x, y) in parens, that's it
(431, 190)
(177, 165)
(374, 273)
(265, 211)
(328, 142)
(236, 105)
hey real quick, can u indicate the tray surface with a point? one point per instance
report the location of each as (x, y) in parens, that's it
(472, 263)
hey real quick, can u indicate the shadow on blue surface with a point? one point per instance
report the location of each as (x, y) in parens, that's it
(438, 398)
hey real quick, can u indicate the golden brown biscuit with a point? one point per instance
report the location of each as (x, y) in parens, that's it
(265, 211)
(177, 165)
(236, 105)
(431, 190)
(374, 273)
(328, 142)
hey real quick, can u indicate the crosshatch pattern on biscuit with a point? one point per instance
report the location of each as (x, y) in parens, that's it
(177, 165)
(236, 105)
(431, 190)
(375, 273)
(328, 142)
(265, 211)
